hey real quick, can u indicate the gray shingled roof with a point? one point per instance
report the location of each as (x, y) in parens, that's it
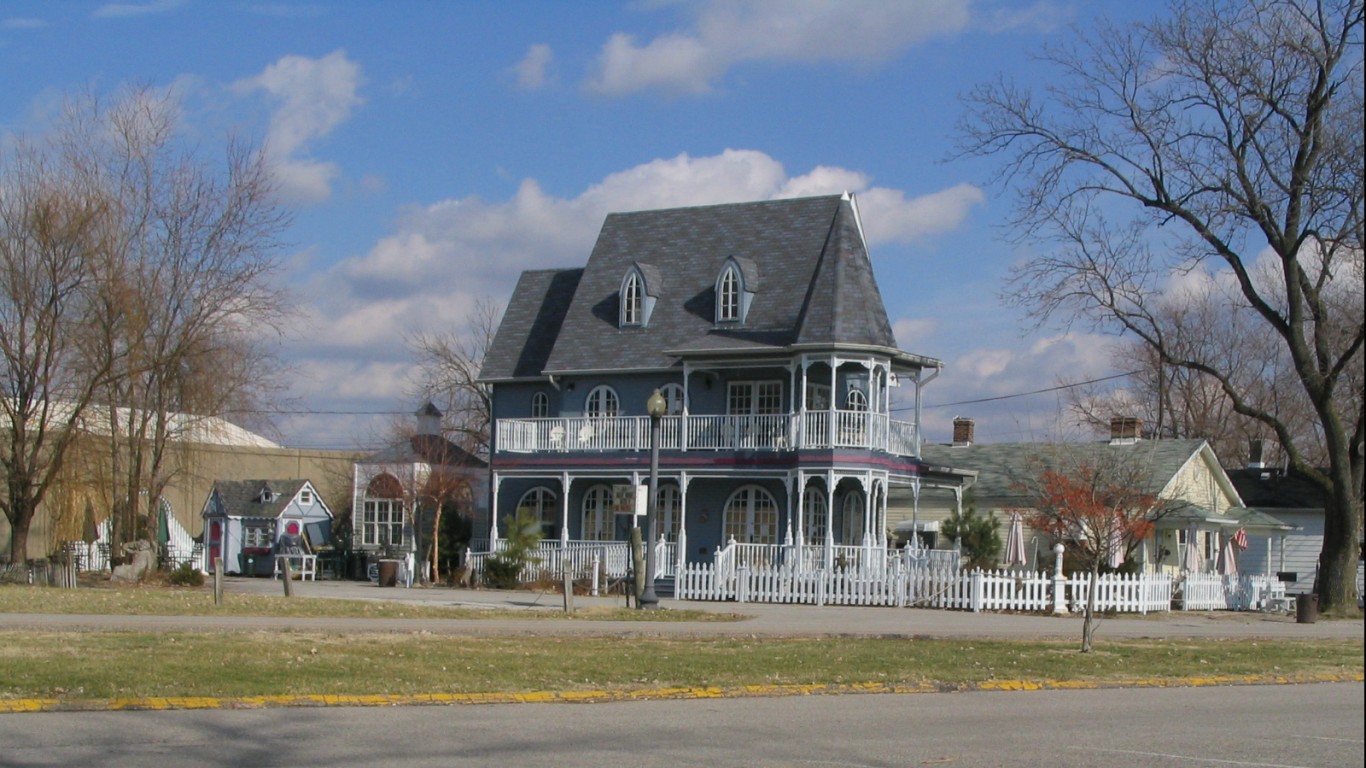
(530, 324)
(805, 260)
(1001, 465)
(242, 498)
(426, 449)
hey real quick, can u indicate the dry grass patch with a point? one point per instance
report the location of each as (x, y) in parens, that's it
(94, 665)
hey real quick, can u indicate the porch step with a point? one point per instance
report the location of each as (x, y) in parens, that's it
(664, 586)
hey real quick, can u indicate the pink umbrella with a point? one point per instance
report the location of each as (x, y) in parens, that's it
(1015, 546)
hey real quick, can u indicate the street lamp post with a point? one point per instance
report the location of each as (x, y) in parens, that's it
(655, 406)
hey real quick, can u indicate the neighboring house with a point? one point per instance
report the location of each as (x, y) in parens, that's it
(247, 522)
(1290, 497)
(762, 327)
(1201, 507)
(396, 491)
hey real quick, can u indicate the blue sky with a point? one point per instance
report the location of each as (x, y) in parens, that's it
(431, 151)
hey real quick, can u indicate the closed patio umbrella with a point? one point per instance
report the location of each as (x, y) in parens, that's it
(1015, 546)
(1192, 561)
(1228, 558)
(1115, 548)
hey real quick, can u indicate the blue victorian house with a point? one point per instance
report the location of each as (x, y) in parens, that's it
(762, 326)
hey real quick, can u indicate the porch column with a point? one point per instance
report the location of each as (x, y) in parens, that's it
(801, 509)
(564, 509)
(687, 408)
(834, 400)
(683, 480)
(493, 511)
(830, 521)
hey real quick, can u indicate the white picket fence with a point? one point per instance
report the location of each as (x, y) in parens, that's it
(1125, 593)
(974, 590)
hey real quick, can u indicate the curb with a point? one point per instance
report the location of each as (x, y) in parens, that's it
(175, 703)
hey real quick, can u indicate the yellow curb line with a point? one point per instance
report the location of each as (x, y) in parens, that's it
(167, 703)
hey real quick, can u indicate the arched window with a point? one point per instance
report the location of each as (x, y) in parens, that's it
(728, 295)
(673, 396)
(751, 516)
(540, 405)
(856, 400)
(668, 506)
(602, 402)
(598, 516)
(851, 531)
(632, 300)
(381, 517)
(542, 503)
(814, 514)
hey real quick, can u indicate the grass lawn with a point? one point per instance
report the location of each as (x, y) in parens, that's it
(97, 665)
(86, 665)
(153, 600)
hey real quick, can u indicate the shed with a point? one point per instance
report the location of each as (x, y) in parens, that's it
(247, 522)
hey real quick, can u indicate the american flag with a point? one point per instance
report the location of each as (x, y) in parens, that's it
(1240, 538)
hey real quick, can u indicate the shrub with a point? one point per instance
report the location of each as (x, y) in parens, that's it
(186, 576)
(503, 570)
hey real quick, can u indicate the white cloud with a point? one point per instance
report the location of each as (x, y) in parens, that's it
(533, 71)
(1040, 17)
(123, 10)
(726, 33)
(910, 332)
(313, 96)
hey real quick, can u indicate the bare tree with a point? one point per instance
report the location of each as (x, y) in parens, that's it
(51, 230)
(1219, 145)
(140, 292)
(188, 297)
(448, 376)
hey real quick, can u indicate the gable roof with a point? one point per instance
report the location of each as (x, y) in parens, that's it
(804, 260)
(425, 449)
(1001, 465)
(1276, 489)
(242, 498)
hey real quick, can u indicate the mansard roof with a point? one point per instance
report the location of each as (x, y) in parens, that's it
(804, 260)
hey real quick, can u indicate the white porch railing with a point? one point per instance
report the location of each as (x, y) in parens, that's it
(610, 559)
(811, 430)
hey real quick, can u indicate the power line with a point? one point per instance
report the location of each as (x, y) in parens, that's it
(1025, 394)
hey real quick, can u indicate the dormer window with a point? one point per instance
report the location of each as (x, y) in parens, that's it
(630, 300)
(734, 290)
(638, 291)
(728, 296)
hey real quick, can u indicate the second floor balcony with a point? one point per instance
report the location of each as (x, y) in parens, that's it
(812, 430)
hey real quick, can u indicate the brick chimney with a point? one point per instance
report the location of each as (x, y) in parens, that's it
(963, 429)
(1125, 429)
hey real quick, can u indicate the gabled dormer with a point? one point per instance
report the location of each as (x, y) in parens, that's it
(639, 291)
(735, 288)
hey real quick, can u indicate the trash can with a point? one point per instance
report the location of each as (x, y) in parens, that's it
(388, 573)
(1306, 609)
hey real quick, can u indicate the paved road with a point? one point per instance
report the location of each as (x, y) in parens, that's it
(1283, 726)
(762, 619)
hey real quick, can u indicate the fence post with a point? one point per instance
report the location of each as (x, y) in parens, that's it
(1059, 583)
(975, 594)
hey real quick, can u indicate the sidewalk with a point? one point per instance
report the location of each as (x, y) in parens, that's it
(770, 619)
